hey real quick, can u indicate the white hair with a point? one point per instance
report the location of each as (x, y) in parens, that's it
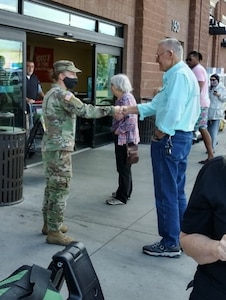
(122, 83)
(174, 45)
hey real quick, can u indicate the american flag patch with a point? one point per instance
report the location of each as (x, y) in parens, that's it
(68, 96)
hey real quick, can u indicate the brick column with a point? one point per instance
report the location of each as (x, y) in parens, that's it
(198, 33)
(149, 30)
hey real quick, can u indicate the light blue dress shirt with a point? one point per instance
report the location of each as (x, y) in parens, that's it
(177, 105)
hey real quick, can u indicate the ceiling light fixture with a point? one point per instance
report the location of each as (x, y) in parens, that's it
(67, 37)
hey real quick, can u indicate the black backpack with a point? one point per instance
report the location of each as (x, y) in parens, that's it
(29, 283)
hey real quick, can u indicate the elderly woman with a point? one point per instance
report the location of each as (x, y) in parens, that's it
(217, 95)
(125, 131)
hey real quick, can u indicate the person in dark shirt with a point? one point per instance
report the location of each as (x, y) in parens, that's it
(34, 89)
(203, 231)
(33, 92)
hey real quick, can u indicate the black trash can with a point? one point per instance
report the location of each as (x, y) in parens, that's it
(12, 147)
(147, 126)
(146, 129)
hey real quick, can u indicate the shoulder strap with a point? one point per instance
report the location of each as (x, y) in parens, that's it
(33, 279)
(40, 278)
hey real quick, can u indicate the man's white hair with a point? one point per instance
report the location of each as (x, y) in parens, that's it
(174, 45)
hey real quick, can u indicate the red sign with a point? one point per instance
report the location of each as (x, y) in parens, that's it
(43, 60)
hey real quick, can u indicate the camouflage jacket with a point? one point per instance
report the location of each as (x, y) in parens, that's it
(60, 108)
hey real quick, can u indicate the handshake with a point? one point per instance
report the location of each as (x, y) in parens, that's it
(122, 111)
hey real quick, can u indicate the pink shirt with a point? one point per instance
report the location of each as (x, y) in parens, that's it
(201, 75)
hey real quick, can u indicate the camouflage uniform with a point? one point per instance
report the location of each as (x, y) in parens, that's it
(60, 108)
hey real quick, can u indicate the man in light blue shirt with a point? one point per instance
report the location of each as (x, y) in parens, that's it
(177, 108)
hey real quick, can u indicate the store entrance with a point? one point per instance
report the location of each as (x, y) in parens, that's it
(98, 63)
(44, 50)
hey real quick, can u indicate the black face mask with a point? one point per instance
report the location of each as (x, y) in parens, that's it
(70, 83)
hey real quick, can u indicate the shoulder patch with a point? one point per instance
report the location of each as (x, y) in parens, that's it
(68, 96)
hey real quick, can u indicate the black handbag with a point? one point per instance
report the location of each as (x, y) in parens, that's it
(132, 153)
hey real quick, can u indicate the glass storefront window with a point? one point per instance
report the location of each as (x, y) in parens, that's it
(107, 65)
(107, 29)
(83, 23)
(46, 13)
(62, 17)
(11, 78)
(10, 5)
(106, 68)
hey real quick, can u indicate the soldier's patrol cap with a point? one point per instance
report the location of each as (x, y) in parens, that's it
(65, 65)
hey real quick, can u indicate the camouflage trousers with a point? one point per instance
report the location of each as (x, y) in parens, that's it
(58, 172)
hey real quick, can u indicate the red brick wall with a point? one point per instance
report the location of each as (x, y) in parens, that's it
(218, 53)
(146, 22)
(150, 28)
(199, 28)
(178, 11)
(122, 11)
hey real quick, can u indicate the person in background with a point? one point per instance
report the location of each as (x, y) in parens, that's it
(125, 131)
(193, 61)
(203, 231)
(176, 107)
(33, 92)
(34, 89)
(217, 94)
(60, 108)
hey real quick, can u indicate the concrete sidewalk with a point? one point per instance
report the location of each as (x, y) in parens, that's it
(113, 235)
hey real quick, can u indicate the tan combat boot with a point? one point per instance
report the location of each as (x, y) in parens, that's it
(63, 229)
(58, 238)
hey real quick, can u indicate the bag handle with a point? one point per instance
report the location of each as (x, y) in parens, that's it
(39, 277)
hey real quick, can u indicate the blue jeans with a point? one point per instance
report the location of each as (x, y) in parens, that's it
(213, 128)
(169, 181)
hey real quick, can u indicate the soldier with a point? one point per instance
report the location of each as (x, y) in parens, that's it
(60, 108)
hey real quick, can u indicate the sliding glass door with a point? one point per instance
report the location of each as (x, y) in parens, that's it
(107, 63)
(12, 74)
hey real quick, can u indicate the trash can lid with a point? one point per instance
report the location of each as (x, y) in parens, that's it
(6, 115)
(11, 130)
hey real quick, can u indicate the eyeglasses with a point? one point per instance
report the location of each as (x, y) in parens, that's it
(157, 55)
